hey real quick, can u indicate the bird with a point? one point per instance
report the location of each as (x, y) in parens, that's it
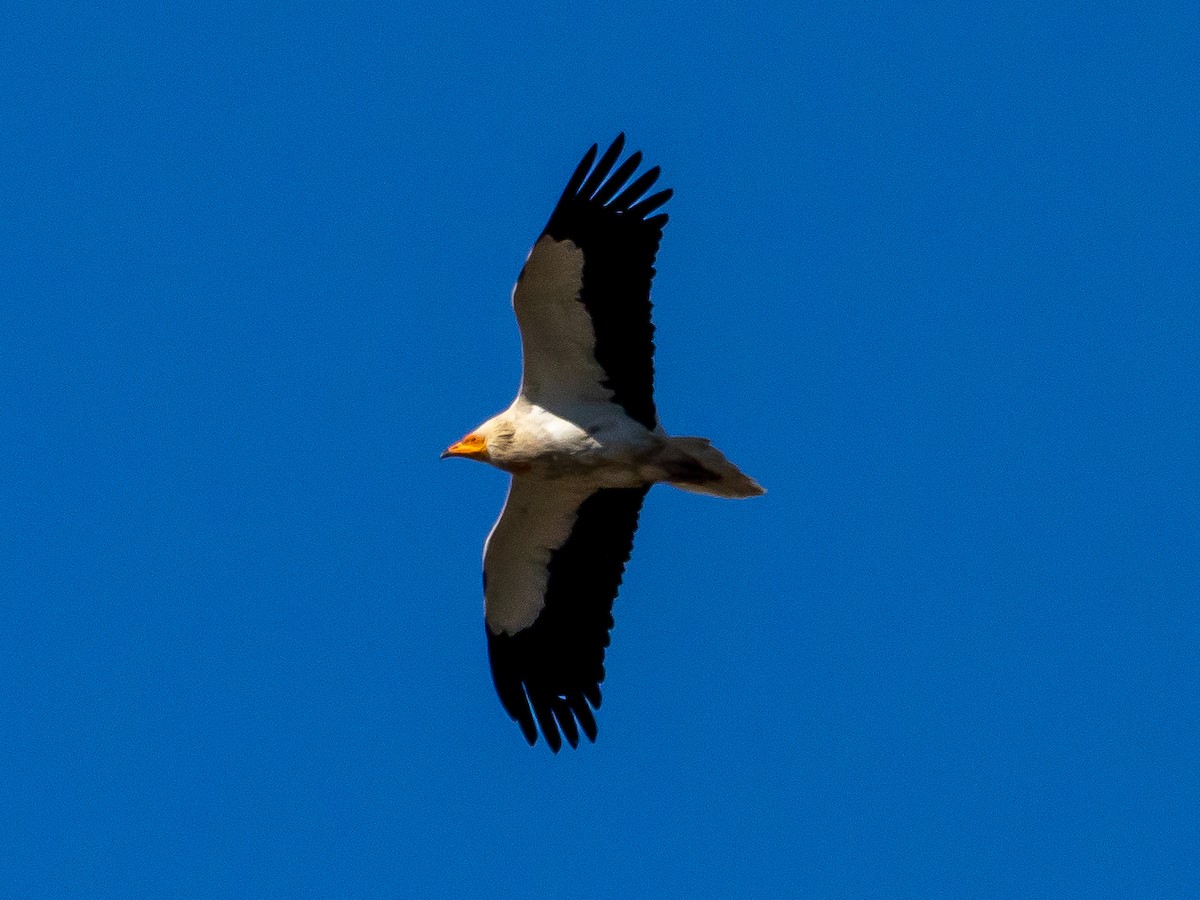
(583, 445)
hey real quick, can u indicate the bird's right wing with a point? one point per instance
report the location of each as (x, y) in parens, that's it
(551, 569)
(583, 298)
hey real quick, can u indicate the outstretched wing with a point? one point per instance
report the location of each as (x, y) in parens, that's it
(551, 569)
(583, 298)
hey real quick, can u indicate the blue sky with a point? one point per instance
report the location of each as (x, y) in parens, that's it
(931, 277)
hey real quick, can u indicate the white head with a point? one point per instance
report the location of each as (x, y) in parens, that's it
(487, 443)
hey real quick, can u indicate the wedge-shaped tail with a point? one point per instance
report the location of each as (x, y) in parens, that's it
(694, 464)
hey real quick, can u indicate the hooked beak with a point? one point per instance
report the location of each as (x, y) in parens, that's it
(470, 447)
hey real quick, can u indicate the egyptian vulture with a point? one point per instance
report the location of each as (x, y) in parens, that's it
(583, 444)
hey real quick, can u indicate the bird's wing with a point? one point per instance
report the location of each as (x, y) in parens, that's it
(583, 298)
(551, 569)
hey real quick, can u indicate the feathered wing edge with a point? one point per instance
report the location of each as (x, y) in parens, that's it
(548, 675)
(612, 220)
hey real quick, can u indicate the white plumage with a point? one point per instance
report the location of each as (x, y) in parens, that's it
(583, 444)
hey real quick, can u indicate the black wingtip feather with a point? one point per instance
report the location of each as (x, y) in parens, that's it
(618, 178)
(643, 208)
(636, 189)
(580, 172)
(566, 721)
(592, 693)
(583, 713)
(603, 167)
(545, 719)
(528, 726)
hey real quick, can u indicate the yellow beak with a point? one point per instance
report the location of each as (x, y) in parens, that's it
(470, 447)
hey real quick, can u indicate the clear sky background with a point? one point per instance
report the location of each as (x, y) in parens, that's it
(931, 277)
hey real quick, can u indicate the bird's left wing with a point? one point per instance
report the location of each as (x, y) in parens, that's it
(583, 298)
(551, 569)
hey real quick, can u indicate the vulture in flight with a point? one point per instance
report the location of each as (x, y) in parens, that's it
(583, 444)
